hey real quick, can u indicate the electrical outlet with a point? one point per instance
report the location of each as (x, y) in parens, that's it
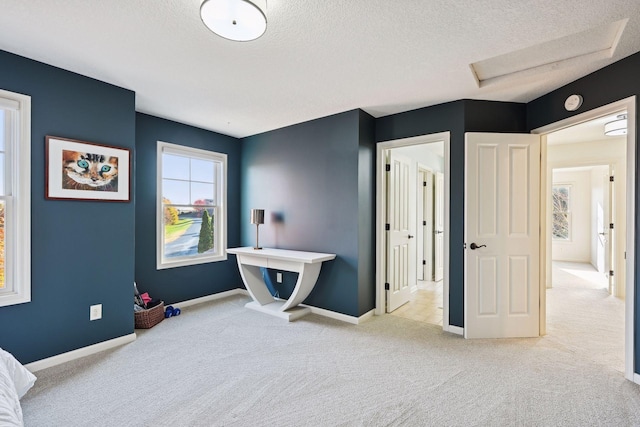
(95, 312)
(279, 277)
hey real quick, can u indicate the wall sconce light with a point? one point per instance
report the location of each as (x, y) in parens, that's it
(617, 127)
(257, 218)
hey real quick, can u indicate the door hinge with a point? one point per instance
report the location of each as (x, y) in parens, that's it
(610, 273)
(424, 222)
(386, 286)
(611, 178)
(424, 183)
(424, 262)
(611, 226)
(387, 168)
(387, 227)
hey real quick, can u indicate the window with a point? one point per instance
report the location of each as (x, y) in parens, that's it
(192, 198)
(562, 212)
(15, 198)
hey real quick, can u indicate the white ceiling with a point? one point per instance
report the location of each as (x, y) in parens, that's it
(316, 58)
(592, 130)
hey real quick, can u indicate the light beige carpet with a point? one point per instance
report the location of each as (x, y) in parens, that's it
(219, 364)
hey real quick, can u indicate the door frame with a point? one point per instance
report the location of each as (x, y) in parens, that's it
(628, 104)
(381, 203)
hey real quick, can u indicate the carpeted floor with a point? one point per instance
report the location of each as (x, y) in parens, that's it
(219, 364)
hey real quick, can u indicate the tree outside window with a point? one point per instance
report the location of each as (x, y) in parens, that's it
(561, 199)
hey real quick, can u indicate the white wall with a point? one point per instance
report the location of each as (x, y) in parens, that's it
(578, 247)
(610, 151)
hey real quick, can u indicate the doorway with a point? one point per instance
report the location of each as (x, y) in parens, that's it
(577, 161)
(586, 216)
(426, 162)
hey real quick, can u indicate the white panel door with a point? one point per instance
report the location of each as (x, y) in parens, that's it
(425, 225)
(610, 233)
(439, 228)
(401, 247)
(502, 212)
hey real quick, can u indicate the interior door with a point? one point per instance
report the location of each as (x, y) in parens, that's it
(610, 232)
(401, 248)
(439, 228)
(425, 225)
(502, 212)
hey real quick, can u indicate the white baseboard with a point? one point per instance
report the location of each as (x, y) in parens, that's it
(454, 330)
(339, 316)
(39, 365)
(636, 378)
(209, 298)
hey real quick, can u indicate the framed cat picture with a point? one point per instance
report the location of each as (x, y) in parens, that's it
(86, 171)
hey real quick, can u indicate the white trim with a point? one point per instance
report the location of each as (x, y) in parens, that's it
(381, 215)
(339, 316)
(454, 330)
(18, 257)
(221, 205)
(210, 298)
(636, 378)
(79, 353)
(630, 105)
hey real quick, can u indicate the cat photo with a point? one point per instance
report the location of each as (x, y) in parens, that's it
(87, 171)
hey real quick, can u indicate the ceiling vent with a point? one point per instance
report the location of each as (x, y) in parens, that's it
(579, 48)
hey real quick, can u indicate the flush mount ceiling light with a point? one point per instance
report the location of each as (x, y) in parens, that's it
(617, 127)
(238, 20)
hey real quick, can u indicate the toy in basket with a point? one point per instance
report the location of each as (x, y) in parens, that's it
(147, 312)
(145, 319)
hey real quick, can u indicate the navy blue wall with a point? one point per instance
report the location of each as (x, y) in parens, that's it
(309, 178)
(366, 214)
(440, 118)
(613, 83)
(82, 252)
(194, 281)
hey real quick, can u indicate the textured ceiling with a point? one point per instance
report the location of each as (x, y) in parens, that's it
(316, 58)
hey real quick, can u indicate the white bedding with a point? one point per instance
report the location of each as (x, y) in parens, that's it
(15, 381)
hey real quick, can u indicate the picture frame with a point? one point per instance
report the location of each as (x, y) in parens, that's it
(81, 170)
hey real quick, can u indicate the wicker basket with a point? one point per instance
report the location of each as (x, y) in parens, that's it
(149, 318)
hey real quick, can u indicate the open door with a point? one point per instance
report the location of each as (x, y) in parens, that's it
(401, 247)
(502, 212)
(438, 232)
(609, 251)
(425, 225)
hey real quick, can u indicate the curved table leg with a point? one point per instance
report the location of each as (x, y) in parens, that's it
(306, 281)
(252, 278)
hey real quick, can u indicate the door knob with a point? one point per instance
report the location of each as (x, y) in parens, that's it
(474, 246)
(410, 236)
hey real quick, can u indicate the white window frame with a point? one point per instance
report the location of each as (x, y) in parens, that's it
(569, 211)
(221, 207)
(17, 198)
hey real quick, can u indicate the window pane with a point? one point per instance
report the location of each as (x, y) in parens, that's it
(202, 193)
(561, 226)
(2, 252)
(2, 172)
(202, 170)
(177, 192)
(188, 233)
(175, 167)
(560, 199)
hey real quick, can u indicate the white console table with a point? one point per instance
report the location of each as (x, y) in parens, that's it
(306, 264)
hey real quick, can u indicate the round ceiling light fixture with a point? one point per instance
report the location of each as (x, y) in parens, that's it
(616, 127)
(237, 20)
